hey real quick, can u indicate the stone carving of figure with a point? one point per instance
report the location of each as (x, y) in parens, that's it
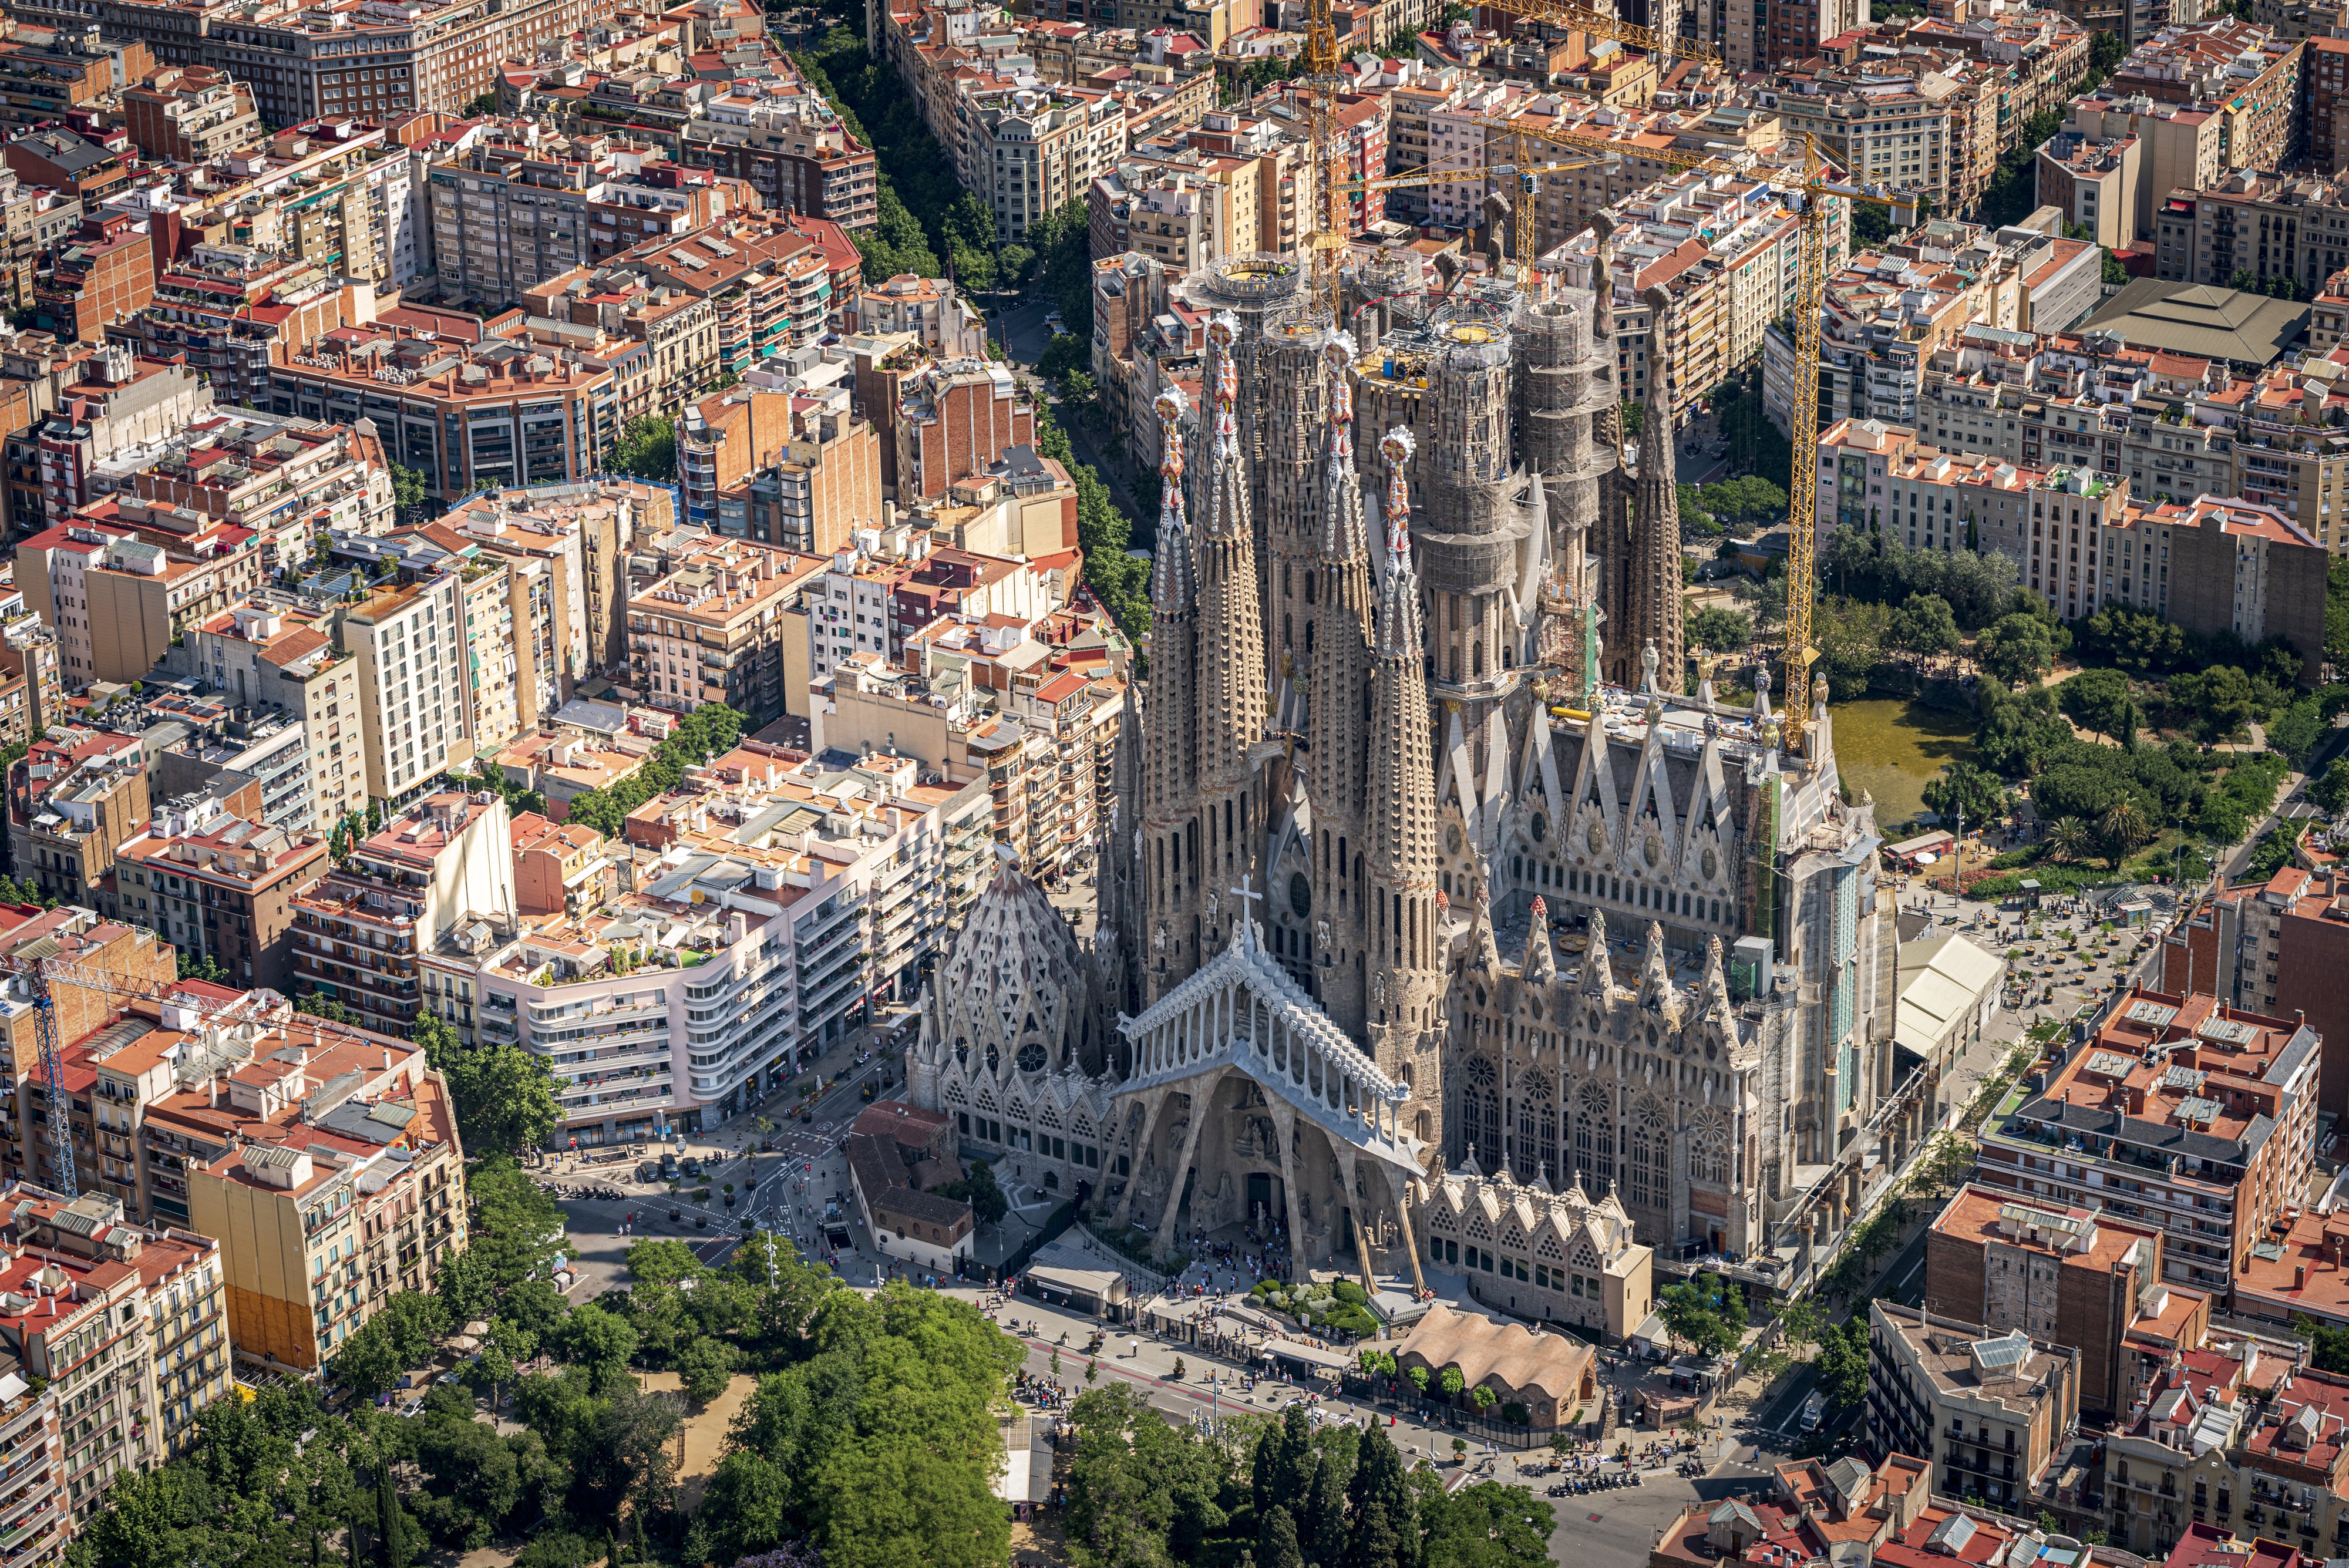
(1648, 662)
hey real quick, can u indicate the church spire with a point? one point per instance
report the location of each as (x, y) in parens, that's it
(1336, 656)
(1168, 939)
(1231, 679)
(1655, 554)
(1404, 942)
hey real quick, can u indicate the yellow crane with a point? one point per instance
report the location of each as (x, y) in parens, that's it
(1599, 25)
(1807, 194)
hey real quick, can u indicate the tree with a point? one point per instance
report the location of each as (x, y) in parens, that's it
(646, 448)
(705, 1367)
(1486, 1525)
(2330, 791)
(2218, 700)
(504, 1096)
(1926, 625)
(1841, 1369)
(2096, 700)
(1721, 630)
(407, 489)
(2122, 828)
(2015, 649)
(1451, 1382)
(1964, 787)
(1698, 1312)
(191, 967)
(2068, 840)
(517, 1229)
(978, 1189)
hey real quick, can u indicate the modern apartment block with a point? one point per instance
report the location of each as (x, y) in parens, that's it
(789, 895)
(359, 933)
(2179, 1113)
(409, 642)
(954, 417)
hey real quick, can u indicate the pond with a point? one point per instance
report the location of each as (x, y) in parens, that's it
(1894, 748)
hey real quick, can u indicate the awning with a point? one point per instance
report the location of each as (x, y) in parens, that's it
(1309, 1355)
(1095, 1284)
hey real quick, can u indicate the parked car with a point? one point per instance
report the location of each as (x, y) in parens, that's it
(668, 1167)
(646, 1170)
(691, 1166)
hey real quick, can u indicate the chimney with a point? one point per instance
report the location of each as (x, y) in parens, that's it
(387, 1058)
(2298, 1275)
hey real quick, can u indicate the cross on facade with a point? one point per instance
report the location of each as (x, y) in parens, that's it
(1247, 919)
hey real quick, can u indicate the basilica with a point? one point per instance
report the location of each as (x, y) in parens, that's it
(1445, 924)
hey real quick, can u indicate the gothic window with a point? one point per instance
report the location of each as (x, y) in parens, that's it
(1653, 1129)
(1710, 1160)
(1031, 1057)
(1594, 1137)
(1641, 1152)
(1536, 1149)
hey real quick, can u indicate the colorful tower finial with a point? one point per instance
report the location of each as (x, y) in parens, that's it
(1223, 330)
(1172, 406)
(1397, 449)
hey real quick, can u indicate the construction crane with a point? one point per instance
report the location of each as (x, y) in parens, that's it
(1599, 25)
(1807, 194)
(41, 975)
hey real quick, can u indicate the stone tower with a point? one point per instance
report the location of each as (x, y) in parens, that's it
(1257, 288)
(1169, 934)
(1295, 410)
(1567, 402)
(1405, 1003)
(1644, 571)
(1231, 694)
(1470, 532)
(1338, 690)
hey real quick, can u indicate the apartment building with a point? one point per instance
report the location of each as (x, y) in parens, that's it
(1890, 311)
(769, 284)
(325, 1155)
(582, 533)
(32, 680)
(558, 870)
(2325, 78)
(219, 887)
(2267, 225)
(2203, 1118)
(658, 347)
(797, 156)
(823, 486)
(1758, 35)
(279, 658)
(467, 416)
(929, 309)
(283, 477)
(408, 645)
(722, 439)
(954, 417)
(710, 626)
(73, 799)
(1990, 1411)
(303, 63)
(45, 73)
(2236, 1435)
(105, 274)
(361, 933)
(128, 954)
(1027, 150)
(230, 311)
(772, 906)
(190, 114)
(1722, 248)
(2067, 1276)
(2093, 181)
(107, 422)
(1898, 123)
(2274, 947)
